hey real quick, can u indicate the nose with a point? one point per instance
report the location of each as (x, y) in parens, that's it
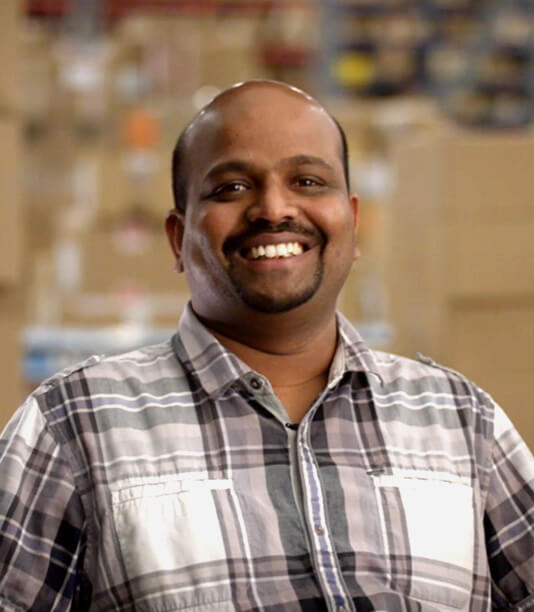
(273, 204)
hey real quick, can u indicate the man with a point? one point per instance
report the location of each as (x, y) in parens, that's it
(264, 458)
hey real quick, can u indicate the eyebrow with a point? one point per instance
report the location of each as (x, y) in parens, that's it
(305, 160)
(229, 166)
(243, 166)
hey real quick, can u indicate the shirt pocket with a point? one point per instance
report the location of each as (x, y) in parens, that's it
(427, 523)
(171, 540)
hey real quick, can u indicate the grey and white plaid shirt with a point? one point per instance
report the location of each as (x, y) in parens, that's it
(168, 479)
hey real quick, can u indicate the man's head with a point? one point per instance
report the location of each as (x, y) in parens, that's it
(264, 220)
(179, 157)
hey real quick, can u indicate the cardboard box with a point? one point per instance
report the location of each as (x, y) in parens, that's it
(119, 181)
(461, 259)
(10, 77)
(12, 307)
(486, 186)
(415, 248)
(48, 188)
(487, 176)
(11, 202)
(492, 258)
(106, 278)
(230, 51)
(39, 73)
(479, 186)
(97, 310)
(491, 342)
(125, 276)
(462, 226)
(126, 260)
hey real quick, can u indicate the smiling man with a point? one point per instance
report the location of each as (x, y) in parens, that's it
(264, 458)
(265, 232)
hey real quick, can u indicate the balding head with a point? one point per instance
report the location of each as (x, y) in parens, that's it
(228, 106)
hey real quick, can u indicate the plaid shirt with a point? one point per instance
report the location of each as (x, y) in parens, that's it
(169, 479)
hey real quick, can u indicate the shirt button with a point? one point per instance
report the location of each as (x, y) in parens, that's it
(319, 530)
(255, 383)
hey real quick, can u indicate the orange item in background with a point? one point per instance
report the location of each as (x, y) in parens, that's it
(140, 130)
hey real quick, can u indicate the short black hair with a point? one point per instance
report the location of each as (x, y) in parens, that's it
(179, 175)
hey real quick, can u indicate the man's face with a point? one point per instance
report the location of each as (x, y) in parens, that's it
(269, 224)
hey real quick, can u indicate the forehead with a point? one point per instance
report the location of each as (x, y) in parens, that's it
(266, 122)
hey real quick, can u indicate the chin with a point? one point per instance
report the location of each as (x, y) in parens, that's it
(275, 305)
(278, 303)
(272, 302)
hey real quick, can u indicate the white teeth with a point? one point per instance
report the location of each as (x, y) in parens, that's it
(270, 251)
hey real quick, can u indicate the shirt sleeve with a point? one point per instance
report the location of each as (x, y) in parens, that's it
(509, 519)
(42, 526)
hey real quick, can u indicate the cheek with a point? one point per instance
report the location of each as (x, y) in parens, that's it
(338, 225)
(205, 236)
(203, 229)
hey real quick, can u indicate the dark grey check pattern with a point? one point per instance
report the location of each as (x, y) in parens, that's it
(166, 479)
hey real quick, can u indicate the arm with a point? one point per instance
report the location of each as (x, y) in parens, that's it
(42, 525)
(509, 519)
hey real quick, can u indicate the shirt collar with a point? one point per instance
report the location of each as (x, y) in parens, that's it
(353, 354)
(204, 357)
(216, 368)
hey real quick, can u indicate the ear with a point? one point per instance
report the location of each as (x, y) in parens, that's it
(174, 226)
(355, 205)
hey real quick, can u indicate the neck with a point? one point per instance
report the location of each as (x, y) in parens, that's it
(286, 350)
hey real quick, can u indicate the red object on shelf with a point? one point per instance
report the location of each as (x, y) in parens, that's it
(115, 9)
(285, 55)
(118, 8)
(48, 8)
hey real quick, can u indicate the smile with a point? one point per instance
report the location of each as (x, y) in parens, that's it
(272, 251)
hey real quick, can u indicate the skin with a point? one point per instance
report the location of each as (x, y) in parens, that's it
(264, 167)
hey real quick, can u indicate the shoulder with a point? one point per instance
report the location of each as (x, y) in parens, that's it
(423, 381)
(155, 358)
(423, 370)
(153, 370)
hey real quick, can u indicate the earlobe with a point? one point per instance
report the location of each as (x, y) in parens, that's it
(174, 226)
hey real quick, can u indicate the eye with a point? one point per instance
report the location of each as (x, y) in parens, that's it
(229, 189)
(308, 181)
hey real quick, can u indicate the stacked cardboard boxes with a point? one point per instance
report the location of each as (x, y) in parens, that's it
(98, 175)
(369, 128)
(461, 259)
(11, 247)
(10, 82)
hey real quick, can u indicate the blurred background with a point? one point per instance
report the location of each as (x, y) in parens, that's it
(436, 97)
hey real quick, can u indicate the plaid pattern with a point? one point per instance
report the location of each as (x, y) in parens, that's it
(167, 479)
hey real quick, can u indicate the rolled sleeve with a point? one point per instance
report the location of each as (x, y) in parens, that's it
(42, 526)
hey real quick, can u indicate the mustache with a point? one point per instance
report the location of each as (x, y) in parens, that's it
(262, 226)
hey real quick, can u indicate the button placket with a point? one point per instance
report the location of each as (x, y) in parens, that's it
(318, 530)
